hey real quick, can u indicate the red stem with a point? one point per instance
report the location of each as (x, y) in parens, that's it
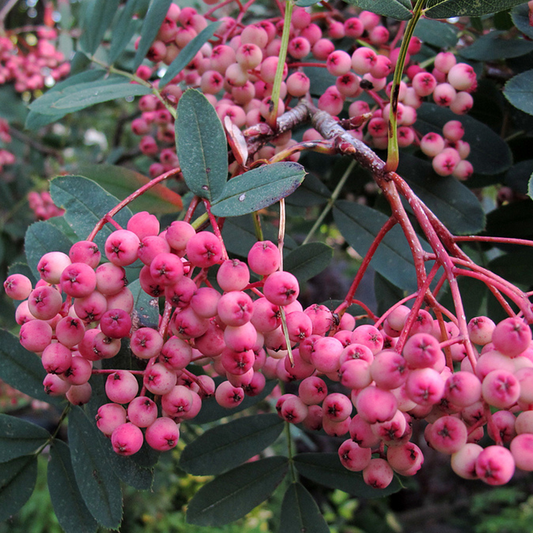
(107, 217)
(216, 228)
(364, 265)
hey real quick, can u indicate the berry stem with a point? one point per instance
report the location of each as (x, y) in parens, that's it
(129, 199)
(216, 228)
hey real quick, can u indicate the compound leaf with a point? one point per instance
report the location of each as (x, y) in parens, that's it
(232, 495)
(228, 445)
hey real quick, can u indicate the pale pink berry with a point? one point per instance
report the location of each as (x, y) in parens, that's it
(378, 474)
(121, 247)
(463, 462)
(121, 386)
(51, 265)
(109, 417)
(495, 465)
(163, 434)
(127, 439)
(353, 457)
(17, 286)
(511, 336)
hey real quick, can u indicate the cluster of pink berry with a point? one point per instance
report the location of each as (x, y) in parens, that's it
(43, 206)
(247, 332)
(237, 76)
(80, 310)
(28, 65)
(391, 390)
(6, 157)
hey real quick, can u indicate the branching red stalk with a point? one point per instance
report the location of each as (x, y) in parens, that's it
(216, 228)
(108, 216)
(364, 265)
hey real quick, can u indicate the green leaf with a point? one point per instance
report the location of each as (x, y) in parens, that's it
(308, 260)
(307, 3)
(69, 507)
(453, 203)
(396, 9)
(146, 308)
(519, 91)
(257, 189)
(201, 145)
(443, 9)
(98, 16)
(17, 481)
(495, 45)
(43, 237)
(514, 266)
(212, 411)
(87, 94)
(359, 225)
(232, 495)
(98, 484)
(187, 54)
(41, 113)
(489, 153)
(229, 445)
(436, 32)
(512, 220)
(518, 177)
(299, 512)
(85, 203)
(320, 80)
(520, 16)
(121, 182)
(123, 30)
(311, 192)
(326, 469)
(152, 22)
(21, 369)
(19, 437)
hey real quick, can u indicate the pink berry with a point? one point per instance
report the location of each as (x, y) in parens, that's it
(127, 439)
(17, 286)
(495, 465)
(163, 434)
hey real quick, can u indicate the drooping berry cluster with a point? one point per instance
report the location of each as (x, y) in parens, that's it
(28, 60)
(43, 206)
(245, 332)
(236, 73)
